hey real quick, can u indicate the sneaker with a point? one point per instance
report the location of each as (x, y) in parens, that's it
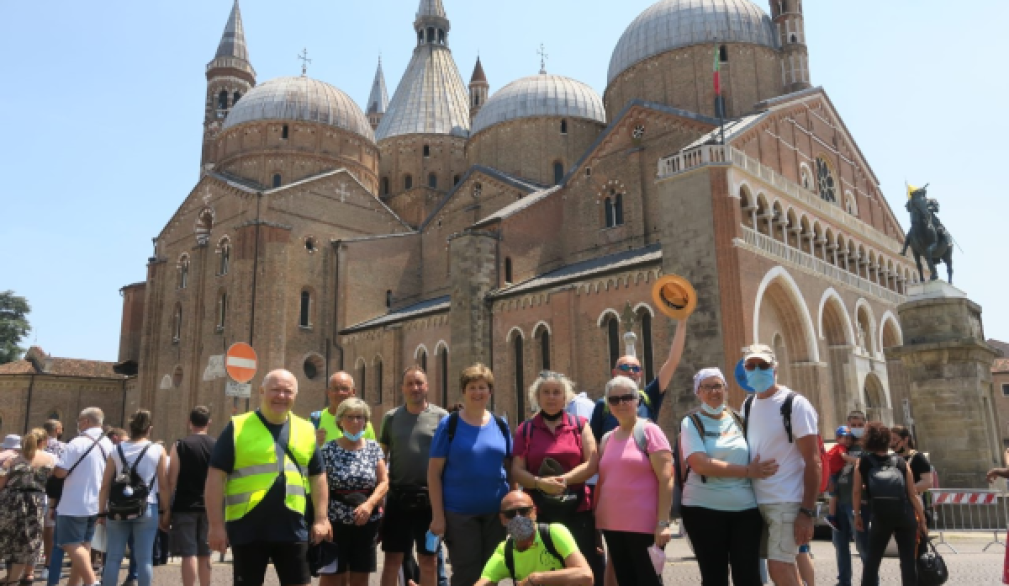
(832, 521)
(43, 575)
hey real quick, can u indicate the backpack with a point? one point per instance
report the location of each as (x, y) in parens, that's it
(681, 469)
(786, 418)
(886, 480)
(548, 542)
(453, 424)
(128, 496)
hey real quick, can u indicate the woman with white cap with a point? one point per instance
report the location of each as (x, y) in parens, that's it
(718, 507)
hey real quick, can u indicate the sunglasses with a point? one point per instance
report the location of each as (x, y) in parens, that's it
(629, 368)
(549, 374)
(511, 513)
(618, 399)
(756, 365)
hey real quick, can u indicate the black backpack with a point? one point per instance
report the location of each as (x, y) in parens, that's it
(453, 423)
(128, 495)
(548, 543)
(886, 480)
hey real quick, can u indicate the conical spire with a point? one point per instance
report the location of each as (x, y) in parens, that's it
(233, 40)
(478, 74)
(378, 101)
(431, 8)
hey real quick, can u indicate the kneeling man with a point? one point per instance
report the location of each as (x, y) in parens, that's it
(534, 554)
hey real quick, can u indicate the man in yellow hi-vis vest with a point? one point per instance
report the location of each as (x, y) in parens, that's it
(340, 388)
(264, 468)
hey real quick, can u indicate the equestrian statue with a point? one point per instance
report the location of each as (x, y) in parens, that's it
(927, 237)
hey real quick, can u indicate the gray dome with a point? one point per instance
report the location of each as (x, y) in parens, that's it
(672, 24)
(300, 99)
(540, 95)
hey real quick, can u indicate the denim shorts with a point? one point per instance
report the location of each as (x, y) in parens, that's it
(74, 530)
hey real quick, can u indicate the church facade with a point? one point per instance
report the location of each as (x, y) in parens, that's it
(524, 227)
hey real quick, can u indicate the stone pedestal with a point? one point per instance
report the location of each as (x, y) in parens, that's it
(948, 367)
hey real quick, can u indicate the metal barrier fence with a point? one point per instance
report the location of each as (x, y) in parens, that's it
(969, 511)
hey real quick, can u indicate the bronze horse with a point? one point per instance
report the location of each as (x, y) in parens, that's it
(928, 237)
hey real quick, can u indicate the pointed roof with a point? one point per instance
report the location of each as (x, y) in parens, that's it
(378, 101)
(431, 8)
(232, 51)
(478, 74)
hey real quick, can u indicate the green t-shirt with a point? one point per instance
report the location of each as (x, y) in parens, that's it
(534, 559)
(327, 421)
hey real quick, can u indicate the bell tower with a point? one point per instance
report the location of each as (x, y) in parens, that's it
(229, 77)
(789, 22)
(478, 90)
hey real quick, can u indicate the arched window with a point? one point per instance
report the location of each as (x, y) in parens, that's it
(430, 35)
(378, 382)
(277, 180)
(545, 349)
(427, 151)
(362, 379)
(608, 205)
(284, 132)
(558, 172)
(225, 257)
(385, 186)
(826, 186)
(222, 100)
(423, 360)
(646, 344)
(408, 182)
(305, 309)
(613, 338)
(443, 376)
(508, 270)
(184, 272)
(222, 310)
(177, 324)
(237, 96)
(520, 384)
(564, 126)
(432, 181)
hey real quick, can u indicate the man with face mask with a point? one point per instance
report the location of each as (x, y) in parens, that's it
(786, 500)
(845, 531)
(527, 558)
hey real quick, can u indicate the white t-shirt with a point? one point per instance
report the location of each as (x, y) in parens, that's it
(148, 467)
(767, 438)
(80, 491)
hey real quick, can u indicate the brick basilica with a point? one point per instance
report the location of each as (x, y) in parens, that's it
(524, 227)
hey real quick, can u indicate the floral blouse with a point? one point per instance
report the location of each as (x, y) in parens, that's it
(350, 471)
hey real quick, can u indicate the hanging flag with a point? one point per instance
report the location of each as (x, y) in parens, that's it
(718, 70)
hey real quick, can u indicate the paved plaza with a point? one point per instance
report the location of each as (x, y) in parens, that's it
(971, 566)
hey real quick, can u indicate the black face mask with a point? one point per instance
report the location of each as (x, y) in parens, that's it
(553, 417)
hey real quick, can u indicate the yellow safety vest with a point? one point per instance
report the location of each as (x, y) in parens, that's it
(256, 465)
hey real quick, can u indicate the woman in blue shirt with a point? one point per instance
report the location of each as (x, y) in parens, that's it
(467, 477)
(719, 510)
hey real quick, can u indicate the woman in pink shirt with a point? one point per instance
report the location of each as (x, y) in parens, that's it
(635, 489)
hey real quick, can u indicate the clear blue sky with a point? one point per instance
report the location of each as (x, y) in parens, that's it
(102, 114)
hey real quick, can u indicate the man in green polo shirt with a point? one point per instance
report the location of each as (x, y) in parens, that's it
(341, 387)
(526, 559)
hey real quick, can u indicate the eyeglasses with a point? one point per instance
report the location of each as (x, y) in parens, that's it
(714, 387)
(618, 399)
(355, 417)
(511, 513)
(629, 368)
(756, 365)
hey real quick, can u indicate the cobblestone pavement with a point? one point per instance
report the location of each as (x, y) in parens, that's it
(970, 566)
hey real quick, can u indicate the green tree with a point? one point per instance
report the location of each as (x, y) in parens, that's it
(14, 325)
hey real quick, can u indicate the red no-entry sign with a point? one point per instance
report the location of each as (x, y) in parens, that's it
(241, 362)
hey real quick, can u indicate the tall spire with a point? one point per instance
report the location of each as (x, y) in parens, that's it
(478, 90)
(378, 101)
(431, 8)
(432, 23)
(233, 40)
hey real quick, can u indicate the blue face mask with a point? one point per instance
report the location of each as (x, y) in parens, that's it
(354, 436)
(760, 380)
(713, 411)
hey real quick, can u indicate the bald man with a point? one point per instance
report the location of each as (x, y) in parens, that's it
(541, 555)
(340, 388)
(251, 504)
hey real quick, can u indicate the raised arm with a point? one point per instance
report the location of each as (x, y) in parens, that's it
(675, 353)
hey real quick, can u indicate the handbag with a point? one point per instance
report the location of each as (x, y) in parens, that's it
(931, 567)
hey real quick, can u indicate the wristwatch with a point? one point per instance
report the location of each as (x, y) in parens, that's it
(808, 512)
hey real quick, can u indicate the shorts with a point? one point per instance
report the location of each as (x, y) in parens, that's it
(290, 561)
(189, 535)
(402, 529)
(778, 541)
(74, 530)
(358, 547)
(832, 487)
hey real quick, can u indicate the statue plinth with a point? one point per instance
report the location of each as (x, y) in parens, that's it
(948, 366)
